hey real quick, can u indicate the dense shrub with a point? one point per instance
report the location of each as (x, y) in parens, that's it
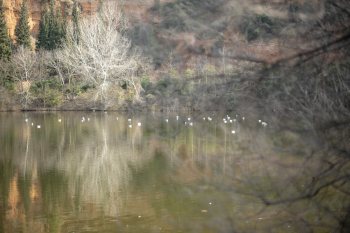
(257, 26)
(7, 75)
(47, 93)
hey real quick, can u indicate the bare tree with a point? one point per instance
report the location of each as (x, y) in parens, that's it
(102, 55)
(25, 60)
(66, 74)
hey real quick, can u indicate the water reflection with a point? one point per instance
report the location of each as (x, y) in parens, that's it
(100, 175)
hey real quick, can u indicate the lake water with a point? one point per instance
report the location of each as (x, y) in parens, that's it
(99, 172)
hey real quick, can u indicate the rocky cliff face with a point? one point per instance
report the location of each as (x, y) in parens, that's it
(12, 8)
(134, 8)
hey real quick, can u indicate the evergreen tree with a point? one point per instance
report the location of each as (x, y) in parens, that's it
(75, 19)
(52, 29)
(58, 30)
(5, 42)
(22, 31)
(52, 33)
(42, 41)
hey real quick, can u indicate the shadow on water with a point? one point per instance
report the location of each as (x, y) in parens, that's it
(100, 172)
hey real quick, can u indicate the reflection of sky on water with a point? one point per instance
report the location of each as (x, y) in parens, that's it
(166, 175)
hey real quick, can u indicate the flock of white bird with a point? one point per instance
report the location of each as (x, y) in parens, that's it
(32, 124)
(187, 121)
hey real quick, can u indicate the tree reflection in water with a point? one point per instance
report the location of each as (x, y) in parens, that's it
(276, 180)
(102, 175)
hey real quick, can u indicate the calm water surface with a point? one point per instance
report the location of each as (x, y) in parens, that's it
(93, 172)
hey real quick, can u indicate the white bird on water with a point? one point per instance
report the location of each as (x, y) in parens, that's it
(60, 120)
(264, 124)
(38, 126)
(177, 118)
(139, 124)
(26, 120)
(233, 131)
(167, 120)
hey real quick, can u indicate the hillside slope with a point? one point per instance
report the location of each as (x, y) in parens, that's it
(256, 31)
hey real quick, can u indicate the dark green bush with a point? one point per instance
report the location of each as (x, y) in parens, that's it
(48, 98)
(7, 82)
(50, 83)
(145, 83)
(52, 98)
(85, 87)
(47, 92)
(6, 75)
(174, 21)
(256, 26)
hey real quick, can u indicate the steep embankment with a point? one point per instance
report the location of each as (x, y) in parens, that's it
(252, 30)
(136, 9)
(217, 42)
(12, 8)
(189, 29)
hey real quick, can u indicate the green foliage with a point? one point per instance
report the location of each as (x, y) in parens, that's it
(75, 20)
(85, 87)
(5, 42)
(52, 98)
(6, 75)
(189, 73)
(72, 91)
(7, 82)
(145, 82)
(47, 92)
(50, 83)
(169, 87)
(52, 29)
(59, 29)
(174, 21)
(257, 26)
(22, 30)
(42, 41)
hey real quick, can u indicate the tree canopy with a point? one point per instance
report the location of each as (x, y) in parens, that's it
(102, 55)
(5, 42)
(75, 20)
(51, 29)
(22, 30)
